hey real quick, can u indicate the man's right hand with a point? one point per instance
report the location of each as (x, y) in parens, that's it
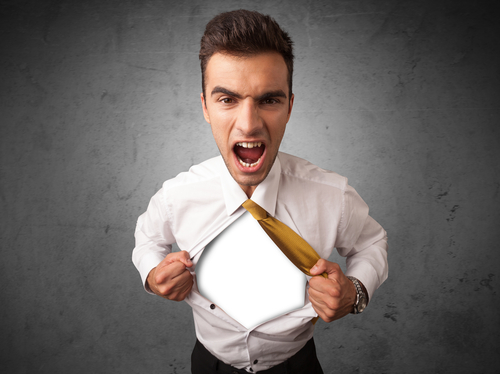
(171, 279)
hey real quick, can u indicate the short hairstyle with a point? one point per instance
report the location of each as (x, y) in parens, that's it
(245, 33)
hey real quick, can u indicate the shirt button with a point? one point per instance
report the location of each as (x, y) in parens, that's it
(212, 306)
(256, 362)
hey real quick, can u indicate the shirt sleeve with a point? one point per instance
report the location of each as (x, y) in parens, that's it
(363, 241)
(153, 237)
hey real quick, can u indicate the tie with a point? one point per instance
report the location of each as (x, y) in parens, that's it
(298, 251)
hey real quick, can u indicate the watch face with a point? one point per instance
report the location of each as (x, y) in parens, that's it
(362, 304)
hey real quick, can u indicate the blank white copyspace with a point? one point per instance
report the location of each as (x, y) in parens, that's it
(244, 273)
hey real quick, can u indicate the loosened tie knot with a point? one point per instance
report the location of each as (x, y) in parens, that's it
(255, 210)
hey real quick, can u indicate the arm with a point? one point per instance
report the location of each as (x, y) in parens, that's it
(163, 273)
(364, 242)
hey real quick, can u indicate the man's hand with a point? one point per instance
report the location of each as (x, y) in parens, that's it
(171, 279)
(333, 297)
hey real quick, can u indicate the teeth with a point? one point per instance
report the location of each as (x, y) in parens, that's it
(248, 165)
(249, 144)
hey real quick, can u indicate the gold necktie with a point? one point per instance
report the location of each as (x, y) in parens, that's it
(298, 251)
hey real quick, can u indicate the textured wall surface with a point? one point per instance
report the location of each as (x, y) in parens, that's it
(99, 104)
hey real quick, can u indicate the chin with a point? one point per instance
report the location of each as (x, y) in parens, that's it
(248, 181)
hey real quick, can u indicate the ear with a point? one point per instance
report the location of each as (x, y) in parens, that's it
(204, 107)
(290, 105)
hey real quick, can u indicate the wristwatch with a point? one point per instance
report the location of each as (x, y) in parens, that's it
(361, 299)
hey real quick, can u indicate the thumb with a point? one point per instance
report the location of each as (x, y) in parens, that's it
(324, 268)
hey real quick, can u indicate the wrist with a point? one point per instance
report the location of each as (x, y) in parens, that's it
(361, 299)
(150, 280)
(354, 296)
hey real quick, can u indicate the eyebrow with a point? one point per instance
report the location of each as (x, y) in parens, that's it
(264, 96)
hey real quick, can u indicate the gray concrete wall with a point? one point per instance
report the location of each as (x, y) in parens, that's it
(99, 103)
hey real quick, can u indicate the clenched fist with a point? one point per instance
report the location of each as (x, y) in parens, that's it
(333, 297)
(171, 279)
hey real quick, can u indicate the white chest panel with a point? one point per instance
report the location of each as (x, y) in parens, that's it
(244, 273)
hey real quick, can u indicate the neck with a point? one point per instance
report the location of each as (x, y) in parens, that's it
(249, 190)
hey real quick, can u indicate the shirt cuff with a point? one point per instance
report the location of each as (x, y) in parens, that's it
(147, 263)
(367, 274)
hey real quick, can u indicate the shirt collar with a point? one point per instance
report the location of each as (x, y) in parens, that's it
(265, 194)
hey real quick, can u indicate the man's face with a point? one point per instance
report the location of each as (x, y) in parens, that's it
(248, 107)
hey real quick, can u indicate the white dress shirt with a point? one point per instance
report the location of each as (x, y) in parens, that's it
(194, 207)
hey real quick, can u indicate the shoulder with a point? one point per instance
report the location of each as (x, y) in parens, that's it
(195, 184)
(200, 173)
(297, 170)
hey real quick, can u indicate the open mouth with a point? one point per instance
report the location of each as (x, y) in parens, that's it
(249, 154)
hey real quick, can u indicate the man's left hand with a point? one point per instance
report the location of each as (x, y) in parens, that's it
(333, 297)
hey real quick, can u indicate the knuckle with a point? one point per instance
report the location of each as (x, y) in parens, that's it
(174, 297)
(176, 268)
(334, 292)
(158, 278)
(334, 267)
(321, 262)
(312, 281)
(169, 258)
(166, 289)
(332, 303)
(330, 314)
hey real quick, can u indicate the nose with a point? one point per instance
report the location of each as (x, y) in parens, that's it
(249, 121)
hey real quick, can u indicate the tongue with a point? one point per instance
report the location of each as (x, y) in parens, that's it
(249, 155)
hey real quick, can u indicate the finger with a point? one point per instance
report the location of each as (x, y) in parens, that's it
(316, 284)
(185, 286)
(169, 272)
(174, 285)
(184, 283)
(324, 285)
(323, 311)
(181, 256)
(317, 304)
(324, 266)
(178, 288)
(329, 306)
(315, 296)
(321, 287)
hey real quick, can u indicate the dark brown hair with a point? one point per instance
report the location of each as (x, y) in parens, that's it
(245, 33)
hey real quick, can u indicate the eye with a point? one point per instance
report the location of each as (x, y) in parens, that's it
(227, 100)
(270, 101)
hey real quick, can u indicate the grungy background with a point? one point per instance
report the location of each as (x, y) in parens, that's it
(99, 104)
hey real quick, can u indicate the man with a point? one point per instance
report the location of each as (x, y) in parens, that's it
(247, 68)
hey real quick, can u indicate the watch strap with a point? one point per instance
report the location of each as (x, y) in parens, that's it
(359, 294)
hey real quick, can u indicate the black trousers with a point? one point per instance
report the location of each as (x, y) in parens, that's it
(303, 362)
